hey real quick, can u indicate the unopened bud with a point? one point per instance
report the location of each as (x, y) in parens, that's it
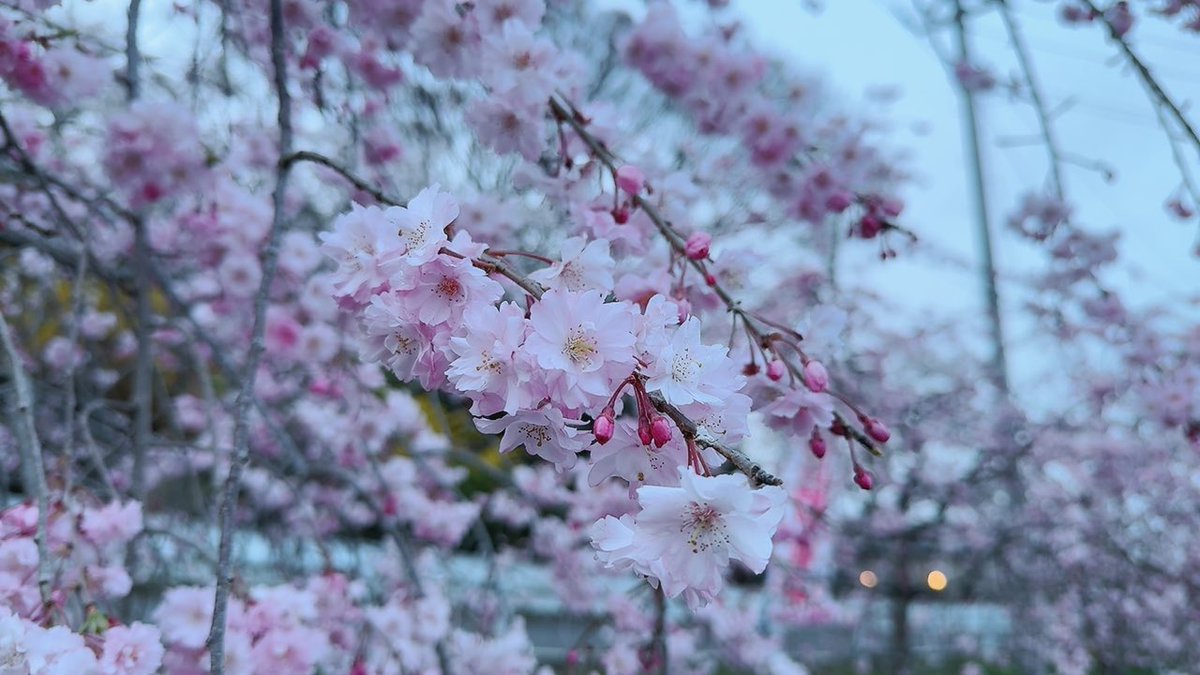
(621, 215)
(604, 426)
(870, 226)
(630, 179)
(877, 430)
(817, 444)
(644, 434)
(838, 201)
(750, 369)
(660, 431)
(838, 429)
(697, 246)
(710, 279)
(775, 370)
(863, 478)
(816, 378)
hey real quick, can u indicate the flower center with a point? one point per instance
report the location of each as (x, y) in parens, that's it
(684, 368)
(706, 526)
(580, 347)
(401, 343)
(486, 362)
(450, 289)
(415, 237)
(538, 434)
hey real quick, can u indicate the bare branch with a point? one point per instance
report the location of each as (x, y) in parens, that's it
(241, 449)
(133, 56)
(1017, 39)
(30, 447)
(1147, 78)
(991, 293)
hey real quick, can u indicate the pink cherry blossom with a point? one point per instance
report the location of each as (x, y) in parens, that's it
(584, 266)
(688, 371)
(692, 531)
(583, 344)
(131, 650)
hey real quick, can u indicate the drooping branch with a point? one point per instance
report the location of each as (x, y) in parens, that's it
(241, 447)
(991, 293)
(568, 114)
(1143, 71)
(357, 182)
(30, 448)
(1017, 39)
(756, 473)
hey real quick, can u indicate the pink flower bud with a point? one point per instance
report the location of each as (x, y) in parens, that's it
(1178, 209)
(710, 280)
(750, 369)
(644, 434)
(621, 215)
(876, 430)
(697, 246)
(870, 226)
(817, 444)
(604, 426)
(775, 370)
(816, 378)
(838, 201)
(660, 431)
(863, 478)
(630, 179)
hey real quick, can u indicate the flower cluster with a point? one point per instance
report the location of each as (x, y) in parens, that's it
(89, 540)
(430, 313)
(55, 77)
(154, 152)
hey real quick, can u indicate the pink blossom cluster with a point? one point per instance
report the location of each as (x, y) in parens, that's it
(28, 647)
(430, 313)
(154, 152)
(55, 77)
(86, 546)
(88, 541)
(778, 140)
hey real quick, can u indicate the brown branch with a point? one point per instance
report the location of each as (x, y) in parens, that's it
(756, 474)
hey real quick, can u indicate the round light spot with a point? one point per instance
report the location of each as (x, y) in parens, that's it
(936, 580)
(868, 579)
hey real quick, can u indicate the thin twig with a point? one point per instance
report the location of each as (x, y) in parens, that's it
(991, 293)
(30, 447)
(358, 183)
(241, 449)
(1050, 140)
(1146, 76)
